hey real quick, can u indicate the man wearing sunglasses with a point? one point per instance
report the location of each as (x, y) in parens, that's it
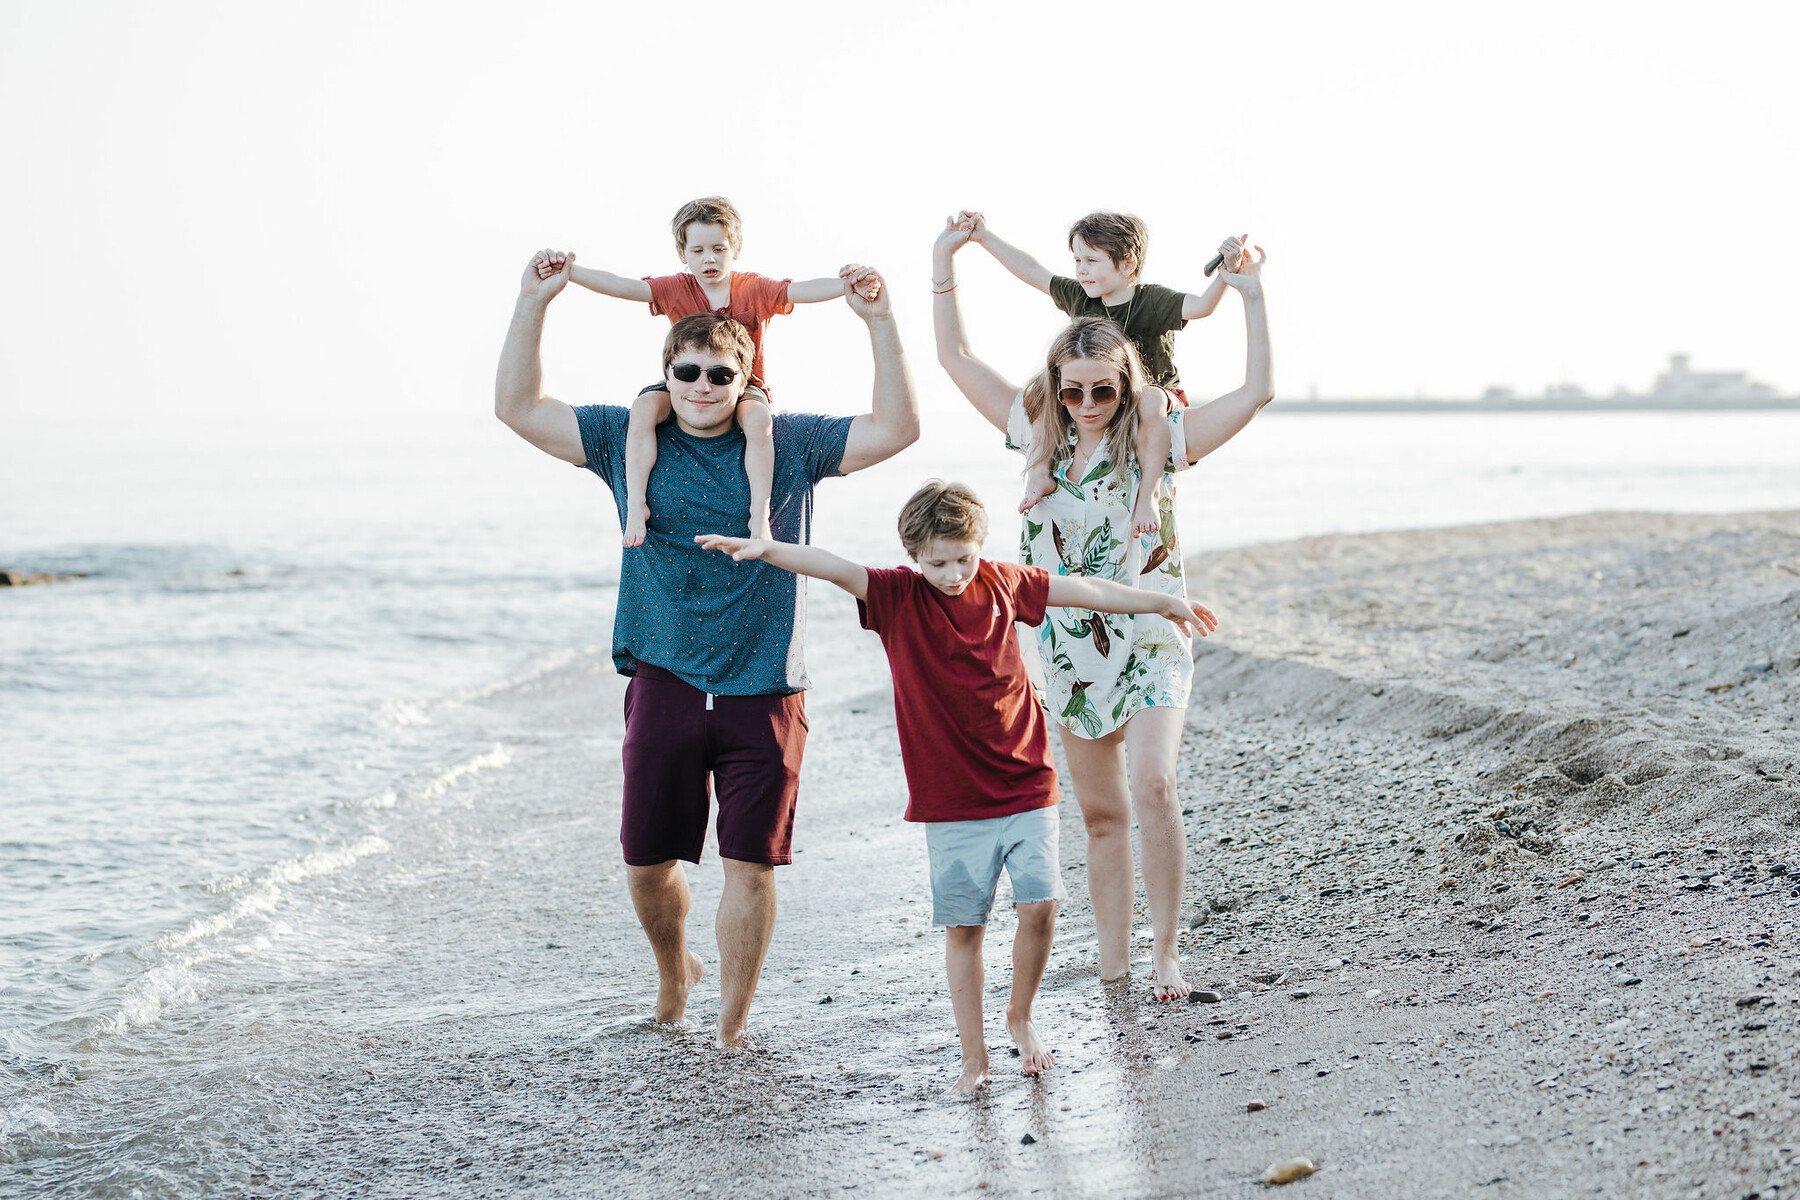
(712, 646)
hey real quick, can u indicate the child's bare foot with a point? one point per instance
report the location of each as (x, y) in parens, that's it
(974, 1076)
(1034, 1056)
(1038, 485)
(1166, 979)
(1144, 518)
(671, 999)
(637, 525)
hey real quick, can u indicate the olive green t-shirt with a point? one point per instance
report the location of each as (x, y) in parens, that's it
(1150, 318)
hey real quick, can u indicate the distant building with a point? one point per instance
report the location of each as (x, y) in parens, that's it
(1680, 385)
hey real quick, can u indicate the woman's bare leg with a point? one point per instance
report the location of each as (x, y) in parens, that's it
(1097, 771)
(1152, 738)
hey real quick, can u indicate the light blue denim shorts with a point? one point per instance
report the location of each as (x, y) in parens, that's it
(967, 857)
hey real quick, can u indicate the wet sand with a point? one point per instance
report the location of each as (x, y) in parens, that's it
(1495, 861)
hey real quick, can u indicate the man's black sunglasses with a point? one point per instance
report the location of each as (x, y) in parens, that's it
(687, 372)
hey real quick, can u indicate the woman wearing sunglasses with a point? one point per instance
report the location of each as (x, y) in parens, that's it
(1118, 685)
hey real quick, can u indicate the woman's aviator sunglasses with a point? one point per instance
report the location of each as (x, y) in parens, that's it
(687, 372)
(1103, 393)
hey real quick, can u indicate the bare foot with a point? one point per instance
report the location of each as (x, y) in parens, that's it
(734, 1039)
(1038, 485)
(1144, 518)
(1034, 1056)
(671, 999)
(637, 521)
(1166, 980)
(974, 1076)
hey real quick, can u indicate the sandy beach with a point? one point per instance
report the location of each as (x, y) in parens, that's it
(1494, 873)
(1495, 867)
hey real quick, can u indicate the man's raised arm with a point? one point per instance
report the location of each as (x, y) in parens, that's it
(519, 398)
(892, 423)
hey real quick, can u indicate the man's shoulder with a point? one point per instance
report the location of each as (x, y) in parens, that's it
(802, 424)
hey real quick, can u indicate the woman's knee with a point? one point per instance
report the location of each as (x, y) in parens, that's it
(1153, 788)
(1106, 820)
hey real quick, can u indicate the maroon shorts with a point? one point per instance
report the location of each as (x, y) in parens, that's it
(677, 739)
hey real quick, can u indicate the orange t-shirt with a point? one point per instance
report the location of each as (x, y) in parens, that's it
(754, 299)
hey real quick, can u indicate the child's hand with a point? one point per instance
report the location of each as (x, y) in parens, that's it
(549, 262)
(546, 274)
(867, 296)
(1247, 279)
(955, 235)
(1190, 617)
(741, 549)
(1231, 252)
(974, 222)
(869, 287)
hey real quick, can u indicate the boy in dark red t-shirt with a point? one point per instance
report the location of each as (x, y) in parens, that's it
(972, 734)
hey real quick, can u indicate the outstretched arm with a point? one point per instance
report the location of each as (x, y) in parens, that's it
(1210, 426)
(604, 282)
(1021, 264)
(519, 398)
(984, 387)
(892, 422)
(1103, 595)
(812, 291)
(1195, 305)
(801, 560)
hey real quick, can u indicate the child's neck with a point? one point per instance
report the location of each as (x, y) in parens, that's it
(1119, 295)
(717, 294)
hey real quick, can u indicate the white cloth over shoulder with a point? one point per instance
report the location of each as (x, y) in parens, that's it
(1101, 669)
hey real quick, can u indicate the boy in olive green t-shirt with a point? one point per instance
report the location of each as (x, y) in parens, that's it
(1109, 253)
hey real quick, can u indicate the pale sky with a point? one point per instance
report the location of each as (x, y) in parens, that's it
(325, 207)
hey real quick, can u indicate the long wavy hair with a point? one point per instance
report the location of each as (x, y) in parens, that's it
(1086, 337)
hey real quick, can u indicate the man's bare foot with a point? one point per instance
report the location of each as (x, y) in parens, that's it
(1038, 485)
(1166, 979)
(1144, 518)
(974, 1076)
(637, 525)
(671, 1000)
(1034, 1056)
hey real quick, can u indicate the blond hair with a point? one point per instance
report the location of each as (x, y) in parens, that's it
(710, 332)
(1103, 341)
(1116, 234)
(708, 210)
(950, 511)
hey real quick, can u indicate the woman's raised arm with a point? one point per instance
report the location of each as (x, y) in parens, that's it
(985, 388)
(1209, 426)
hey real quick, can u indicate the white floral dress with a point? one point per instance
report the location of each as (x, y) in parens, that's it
(1101, 669)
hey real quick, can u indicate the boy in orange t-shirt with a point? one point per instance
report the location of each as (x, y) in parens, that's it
(708, 235)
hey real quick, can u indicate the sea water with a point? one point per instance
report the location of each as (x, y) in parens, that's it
(319, 682)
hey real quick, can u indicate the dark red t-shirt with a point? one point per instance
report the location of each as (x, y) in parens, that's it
(754, 299)
(972, 735)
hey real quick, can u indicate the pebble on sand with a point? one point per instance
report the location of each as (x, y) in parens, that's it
(1256, 1106)
(1287, 1172)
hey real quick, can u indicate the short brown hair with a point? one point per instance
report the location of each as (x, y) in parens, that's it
(1118, 234)
(708, 210)
(942, 510)
(709, 331)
